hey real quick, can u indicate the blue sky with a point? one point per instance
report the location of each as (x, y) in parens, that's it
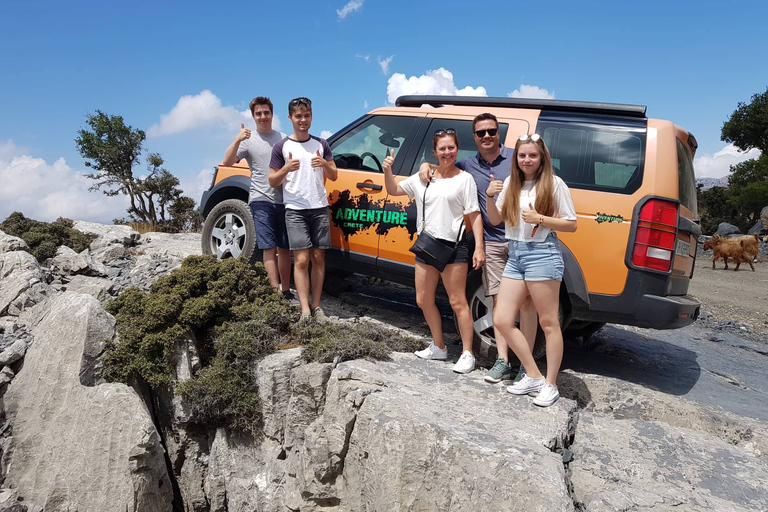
(185, 71)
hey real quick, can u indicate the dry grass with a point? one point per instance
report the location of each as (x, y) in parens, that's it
(143, 227)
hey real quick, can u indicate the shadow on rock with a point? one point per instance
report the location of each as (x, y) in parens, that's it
(632, 357)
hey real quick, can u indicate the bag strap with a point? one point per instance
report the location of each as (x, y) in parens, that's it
(424, 216)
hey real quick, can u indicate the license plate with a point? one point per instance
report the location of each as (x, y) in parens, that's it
(683, 248)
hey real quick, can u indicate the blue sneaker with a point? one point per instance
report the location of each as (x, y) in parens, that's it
(501, 370)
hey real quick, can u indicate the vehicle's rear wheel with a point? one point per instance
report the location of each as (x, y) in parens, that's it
(228, 232)
(481, 308)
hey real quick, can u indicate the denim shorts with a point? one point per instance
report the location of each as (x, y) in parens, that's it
(535, 261)
(308, 228)
(269, 222)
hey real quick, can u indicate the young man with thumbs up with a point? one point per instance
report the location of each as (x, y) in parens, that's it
(301, 163)
(266, 202)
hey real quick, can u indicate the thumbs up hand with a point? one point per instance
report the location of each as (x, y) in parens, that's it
(389, 161)
(531, 216)
(494, 187)
(292, 164)
(243, 134)
(318, 162)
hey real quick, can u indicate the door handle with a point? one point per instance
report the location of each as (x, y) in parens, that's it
(371, 186)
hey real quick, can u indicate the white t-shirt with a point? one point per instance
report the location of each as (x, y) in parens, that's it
(303, 189)
(524, 232)
(447, 201)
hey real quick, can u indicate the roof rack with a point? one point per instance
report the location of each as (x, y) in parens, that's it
(586, 107)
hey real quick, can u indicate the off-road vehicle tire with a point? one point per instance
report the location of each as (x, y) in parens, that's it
(228, 232)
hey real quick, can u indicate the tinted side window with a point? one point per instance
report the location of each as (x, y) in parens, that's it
(365, 146)
(596, 156)
(463, 129)
(686, 179)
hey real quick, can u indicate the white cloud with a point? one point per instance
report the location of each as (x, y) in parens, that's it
(195, 187)
(201, 110)
(352, 6)
(384, 63)
(531, 91)
(325, 134)
(366, 58)
(365, 104)
(9, 150)
(45, 192)
(719, 164)
(437, 81)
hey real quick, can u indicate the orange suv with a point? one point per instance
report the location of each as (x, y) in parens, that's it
(631, 178)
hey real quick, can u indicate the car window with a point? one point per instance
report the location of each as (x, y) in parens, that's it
(366, 145)
(463, 129)
(686, 179)
(596, 157)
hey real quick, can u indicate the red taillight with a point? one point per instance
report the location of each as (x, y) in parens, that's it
(656, 235)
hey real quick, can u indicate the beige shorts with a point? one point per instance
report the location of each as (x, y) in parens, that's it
(495, 259)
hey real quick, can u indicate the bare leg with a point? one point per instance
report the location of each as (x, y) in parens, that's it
(426, 283)
(301, 276)
(501, 343)
(455, 283)
(546, 298)
(318, 275)
(528, 323)
(284, 267)
(512, 293)
(270, 264)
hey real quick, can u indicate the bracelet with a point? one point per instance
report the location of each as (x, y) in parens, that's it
(541, 220)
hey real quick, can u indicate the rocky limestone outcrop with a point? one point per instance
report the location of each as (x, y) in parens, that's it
(76, 447)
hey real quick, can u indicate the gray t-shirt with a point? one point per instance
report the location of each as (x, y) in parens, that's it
(257, 150)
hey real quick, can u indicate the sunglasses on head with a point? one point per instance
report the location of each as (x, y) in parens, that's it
(492, 132)
(300, 101)
(445, 131)
(533, 138)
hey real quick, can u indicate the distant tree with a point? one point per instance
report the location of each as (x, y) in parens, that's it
(112, 149)
(715, 207)
(747, 128)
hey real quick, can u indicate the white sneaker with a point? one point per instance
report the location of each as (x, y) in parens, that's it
(433, 352)
(527, 385)
(465, 364)
(547, 395)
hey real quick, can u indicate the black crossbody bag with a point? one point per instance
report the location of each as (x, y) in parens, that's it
(434, 251)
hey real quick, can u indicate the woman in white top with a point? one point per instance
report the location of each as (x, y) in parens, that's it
(449, 196)
(535, 203)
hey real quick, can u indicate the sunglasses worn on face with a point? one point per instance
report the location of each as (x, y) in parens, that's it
(533, 138)
(492, 132)
(446, 131)
(300, 101)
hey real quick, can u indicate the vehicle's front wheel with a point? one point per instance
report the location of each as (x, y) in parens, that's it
(228, 232)
(481, 308)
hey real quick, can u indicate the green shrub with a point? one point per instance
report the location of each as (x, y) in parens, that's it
(237, 319)
(324, 342)
(43, 238)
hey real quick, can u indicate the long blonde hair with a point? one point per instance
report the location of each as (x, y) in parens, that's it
(544, 182)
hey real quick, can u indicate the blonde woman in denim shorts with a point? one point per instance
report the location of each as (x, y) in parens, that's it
(535, 204)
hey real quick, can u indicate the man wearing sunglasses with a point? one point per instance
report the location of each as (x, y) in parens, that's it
(301, 163)
(493, 161)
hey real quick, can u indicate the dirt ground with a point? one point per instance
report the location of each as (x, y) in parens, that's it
(733, 296)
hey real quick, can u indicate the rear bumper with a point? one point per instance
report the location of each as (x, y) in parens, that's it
(671, 312)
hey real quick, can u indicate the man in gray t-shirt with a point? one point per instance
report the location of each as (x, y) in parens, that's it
(266, 202)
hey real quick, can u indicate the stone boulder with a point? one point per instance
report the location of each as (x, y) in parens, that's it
(761, 226)
(76, 447)
(97, 287)
(19, 271)
(105, 234)
(726, 229)
(653, 466)
(68, 262)
(178, 245)
(10, 243)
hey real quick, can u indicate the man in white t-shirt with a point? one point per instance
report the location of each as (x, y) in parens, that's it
(265, 202)
(301, 163)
